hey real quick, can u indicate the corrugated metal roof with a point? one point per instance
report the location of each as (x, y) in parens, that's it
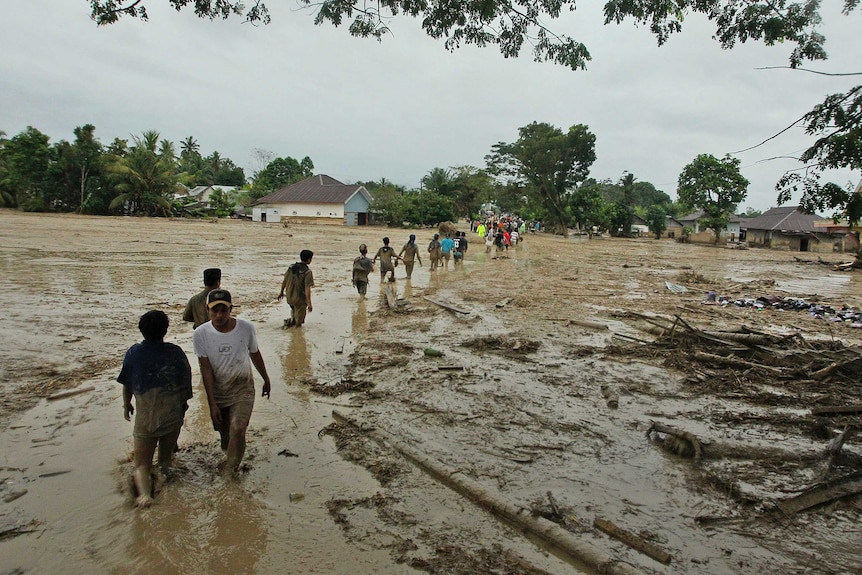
(784, 218)
(319, 189)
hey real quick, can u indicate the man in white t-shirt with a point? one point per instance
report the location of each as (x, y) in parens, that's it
(227, 348)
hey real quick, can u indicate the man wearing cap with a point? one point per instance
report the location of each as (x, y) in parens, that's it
(227, 348)
(408, 253)
(196, 308)
(362, 266)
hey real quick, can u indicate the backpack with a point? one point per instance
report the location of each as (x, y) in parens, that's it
(294, 292)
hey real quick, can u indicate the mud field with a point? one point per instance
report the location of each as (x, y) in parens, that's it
(570, 388)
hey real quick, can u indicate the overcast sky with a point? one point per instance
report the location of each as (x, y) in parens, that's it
(363, 109)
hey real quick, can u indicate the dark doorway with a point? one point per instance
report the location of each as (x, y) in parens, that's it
(362, 219)
(803, 245)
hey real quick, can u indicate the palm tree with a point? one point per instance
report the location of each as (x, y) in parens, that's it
(189, 147)
(438, 180)
(145, 180)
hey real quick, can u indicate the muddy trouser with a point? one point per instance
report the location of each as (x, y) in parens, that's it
(297, 314)
(408, 267)
(434, 263)
(361, 287)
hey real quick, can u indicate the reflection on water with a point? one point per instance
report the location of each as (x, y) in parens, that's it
(407, 292)
(296, 362)
(359, 319)
(219, 529)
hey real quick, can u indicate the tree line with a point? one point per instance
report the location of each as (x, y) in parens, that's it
(544, 175)
(140, 176)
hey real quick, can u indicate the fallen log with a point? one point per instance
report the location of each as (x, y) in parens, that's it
(447, 306)
(548, 533)
(821, 494)
(837, 410)
(64, 394)
(391, 300)
(633, 541)
(587, 323)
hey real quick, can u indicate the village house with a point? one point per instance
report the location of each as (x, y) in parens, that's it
(319, 197)
(701, 233)
(673, 229)
(788, 228)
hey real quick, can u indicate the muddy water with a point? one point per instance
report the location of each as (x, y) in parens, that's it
(74, 288)
(524, 423)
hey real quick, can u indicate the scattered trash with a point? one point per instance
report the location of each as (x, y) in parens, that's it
(431, 352)
(675, 288)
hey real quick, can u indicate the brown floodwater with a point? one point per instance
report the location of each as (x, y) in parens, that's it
(526, 419)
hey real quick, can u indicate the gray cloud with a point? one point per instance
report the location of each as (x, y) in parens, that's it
(362, 109)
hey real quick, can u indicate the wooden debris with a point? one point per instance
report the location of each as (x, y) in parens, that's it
(634, 541)
(450, 368)
(339, 347)
(684, 435)
(547, 533)
(612, 398)
(64, 394)
(14, 495)
(733, 362)
(837, 410)
(9, 531)
(503, 303)
(391, 300)
(587, 323)
(55, 473)
(447, 306)
(821, 494)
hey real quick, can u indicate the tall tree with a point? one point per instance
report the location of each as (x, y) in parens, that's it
(656, 219)
(7, 194)
(588, 206)
(469, 189)
(438, 180)
(282, 172)
(714, 186)
(28, 156)
(144, 181)
(549, 163)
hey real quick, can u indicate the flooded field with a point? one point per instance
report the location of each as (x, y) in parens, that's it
(517, 402)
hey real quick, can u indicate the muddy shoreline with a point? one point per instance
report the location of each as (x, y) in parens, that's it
(519, 402)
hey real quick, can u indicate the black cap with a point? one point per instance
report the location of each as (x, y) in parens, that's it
(219, 296)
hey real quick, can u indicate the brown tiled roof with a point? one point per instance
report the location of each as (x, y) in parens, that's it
(785, 218)
(319, 189)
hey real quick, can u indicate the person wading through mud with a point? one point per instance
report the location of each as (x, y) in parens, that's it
(388, 261)
(226, 348)
(434, 251)
(159, 377)
(296, 289)
(408, 253)
(362, 266)
(196, 308)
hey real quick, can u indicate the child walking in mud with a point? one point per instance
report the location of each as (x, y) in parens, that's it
(159, 377)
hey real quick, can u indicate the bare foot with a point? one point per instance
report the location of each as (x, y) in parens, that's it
(144, 501)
